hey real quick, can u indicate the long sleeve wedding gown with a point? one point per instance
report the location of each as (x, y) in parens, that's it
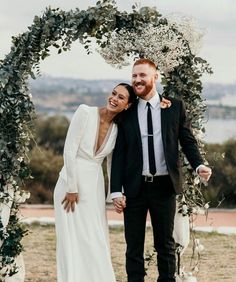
(83, 252)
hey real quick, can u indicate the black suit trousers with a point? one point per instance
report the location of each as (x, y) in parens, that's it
(159, 199)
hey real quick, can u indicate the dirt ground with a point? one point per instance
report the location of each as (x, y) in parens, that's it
(217, 263)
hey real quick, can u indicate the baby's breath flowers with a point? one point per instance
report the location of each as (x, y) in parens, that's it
(165, 43)
(161, 44)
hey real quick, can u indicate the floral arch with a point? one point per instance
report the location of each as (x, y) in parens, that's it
(119, 36)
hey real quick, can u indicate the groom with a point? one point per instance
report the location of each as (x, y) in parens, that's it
(146, 168)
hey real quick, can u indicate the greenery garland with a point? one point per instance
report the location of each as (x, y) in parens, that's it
(59, 29)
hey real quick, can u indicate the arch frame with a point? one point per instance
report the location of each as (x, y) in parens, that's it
(60, 29)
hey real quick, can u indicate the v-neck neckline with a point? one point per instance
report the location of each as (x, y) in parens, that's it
(100, 149)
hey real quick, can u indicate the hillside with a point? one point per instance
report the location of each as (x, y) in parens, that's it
(52, 94)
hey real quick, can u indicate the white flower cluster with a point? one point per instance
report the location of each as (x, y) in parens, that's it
(21, 196)
(190, 31)
(4, 233)
(6, 270)
(12, 192)
(165, 44)
(160, 44)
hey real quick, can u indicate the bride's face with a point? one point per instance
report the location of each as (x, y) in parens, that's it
(118, 100)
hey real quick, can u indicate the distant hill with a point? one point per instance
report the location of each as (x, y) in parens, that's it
(65, 94)
(55, 94)
(215, 91)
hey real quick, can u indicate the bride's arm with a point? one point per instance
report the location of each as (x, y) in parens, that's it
(75, 132)
(108, 196)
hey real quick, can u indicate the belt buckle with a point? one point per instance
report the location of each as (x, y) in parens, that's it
(148, 178)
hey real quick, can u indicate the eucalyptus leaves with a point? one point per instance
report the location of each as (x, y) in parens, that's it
(182, 71)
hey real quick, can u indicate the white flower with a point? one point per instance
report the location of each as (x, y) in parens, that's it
(184, 209)
(27, 195)
(199, 248)
(196, 241)
(186, 277)
(20, 159)
(4, 232)
(194, 210)
(196, 269)
(21, 196)
(196, 180)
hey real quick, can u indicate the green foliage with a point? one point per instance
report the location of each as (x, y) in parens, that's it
(222, 187)
(185, 83)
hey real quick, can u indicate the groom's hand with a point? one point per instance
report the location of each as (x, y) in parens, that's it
(119, 204)
(69, 201)
(204, 172)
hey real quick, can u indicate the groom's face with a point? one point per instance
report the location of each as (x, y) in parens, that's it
(143, 79)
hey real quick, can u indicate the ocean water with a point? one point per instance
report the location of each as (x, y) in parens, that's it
(220, 130)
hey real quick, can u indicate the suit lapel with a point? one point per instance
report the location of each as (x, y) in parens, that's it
(135, 125)
(164, 119)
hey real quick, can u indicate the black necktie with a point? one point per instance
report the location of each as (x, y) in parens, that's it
(151, 155)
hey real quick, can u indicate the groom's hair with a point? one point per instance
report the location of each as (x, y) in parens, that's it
(144, 61)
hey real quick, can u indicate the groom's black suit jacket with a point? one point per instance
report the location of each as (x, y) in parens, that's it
(127, 160)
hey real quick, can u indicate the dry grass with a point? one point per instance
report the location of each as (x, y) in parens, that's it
(217, 261)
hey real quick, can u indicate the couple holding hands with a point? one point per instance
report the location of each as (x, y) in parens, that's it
(139, 133)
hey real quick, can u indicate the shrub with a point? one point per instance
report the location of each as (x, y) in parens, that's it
(45, 165)
(222, 186)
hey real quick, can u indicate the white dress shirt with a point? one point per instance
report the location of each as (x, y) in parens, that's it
(161, 168)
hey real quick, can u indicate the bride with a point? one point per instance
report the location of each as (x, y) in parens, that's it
(83, 253)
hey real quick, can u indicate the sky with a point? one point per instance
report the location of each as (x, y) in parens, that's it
(215, 17)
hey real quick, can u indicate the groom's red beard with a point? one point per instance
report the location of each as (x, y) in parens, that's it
(147, 89)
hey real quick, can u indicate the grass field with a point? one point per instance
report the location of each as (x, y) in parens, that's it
(217, 262)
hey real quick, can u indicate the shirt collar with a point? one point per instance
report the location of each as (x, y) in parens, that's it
(154, 101)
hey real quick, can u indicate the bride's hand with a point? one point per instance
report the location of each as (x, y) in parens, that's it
(119, 204)
(69, 201)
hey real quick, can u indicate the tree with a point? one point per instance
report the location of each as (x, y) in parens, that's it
(51, 132)
(45, 166)
(222, 187)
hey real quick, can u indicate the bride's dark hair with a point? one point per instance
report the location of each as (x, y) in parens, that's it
(132, 98)
(132, 95)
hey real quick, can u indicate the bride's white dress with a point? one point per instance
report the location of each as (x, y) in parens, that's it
(83, 251)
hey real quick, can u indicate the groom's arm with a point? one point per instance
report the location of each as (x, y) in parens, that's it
(190, 147)
(187, 140)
